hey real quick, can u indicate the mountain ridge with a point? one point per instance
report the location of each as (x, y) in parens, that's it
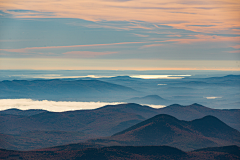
(167, 130)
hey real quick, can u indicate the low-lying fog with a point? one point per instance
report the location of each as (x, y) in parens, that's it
(55, 106)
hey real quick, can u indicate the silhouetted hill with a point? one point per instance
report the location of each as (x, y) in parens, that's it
(41, 139)
(167, 130)
(99, 122)
(143, 110)
(16, 111)
(58, 127)
(234, 150)
(103, 121)
(71, 147)
(229, 116)
(210, 126)
(150, 99)
(194, 111)
(121, 152)
(93, 90)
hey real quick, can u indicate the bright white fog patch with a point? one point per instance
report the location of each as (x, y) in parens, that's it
(54, 106)
(213, 97)
(59, 76)
(160, 76)
(154, 106)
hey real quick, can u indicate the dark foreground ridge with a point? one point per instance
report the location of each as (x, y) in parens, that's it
(164, 129)
(34, 129)
(124, 152)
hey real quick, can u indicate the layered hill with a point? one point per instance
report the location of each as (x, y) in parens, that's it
(150, 99)
(126, 153)
(15, 111)
(99, 121)
(25, 126)
(163, 129)
(85, 90)
(41, 139)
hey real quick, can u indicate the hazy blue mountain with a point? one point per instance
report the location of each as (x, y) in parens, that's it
(189, 90)
(85, 90)
(182, 91)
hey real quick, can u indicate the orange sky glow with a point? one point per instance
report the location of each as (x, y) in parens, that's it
(192, 23)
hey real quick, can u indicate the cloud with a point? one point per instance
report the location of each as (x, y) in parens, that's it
(86, 54)
(236, 51)
(236, 46)
(203, 16)
(141, 35)
(151, 45)
(55, 106)
(39, 49)
(203, 38)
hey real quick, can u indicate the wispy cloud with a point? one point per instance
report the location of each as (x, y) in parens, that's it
(32, 49)
(236, 46)
(236, 51)
(151, 45)
(86, 54)
(141, 35)
(207, 16)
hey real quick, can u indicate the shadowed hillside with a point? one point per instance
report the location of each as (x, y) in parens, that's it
(167, 130)
(126, 153)
(103, 121)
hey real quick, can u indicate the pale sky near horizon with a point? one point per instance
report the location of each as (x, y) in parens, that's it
(120, 34)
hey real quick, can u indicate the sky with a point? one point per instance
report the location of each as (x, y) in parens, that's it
(120, 34)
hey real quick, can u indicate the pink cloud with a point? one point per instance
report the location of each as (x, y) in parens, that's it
(204, 38)
(237, 51)
(204, 16)
(151, 45)
(236, 46)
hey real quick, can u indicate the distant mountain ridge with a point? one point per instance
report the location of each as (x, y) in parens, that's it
(56, 89)
(149, 99)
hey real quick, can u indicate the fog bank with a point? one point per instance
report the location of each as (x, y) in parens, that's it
(55, 106)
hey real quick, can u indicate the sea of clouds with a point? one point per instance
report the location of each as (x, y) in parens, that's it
(55, 106)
